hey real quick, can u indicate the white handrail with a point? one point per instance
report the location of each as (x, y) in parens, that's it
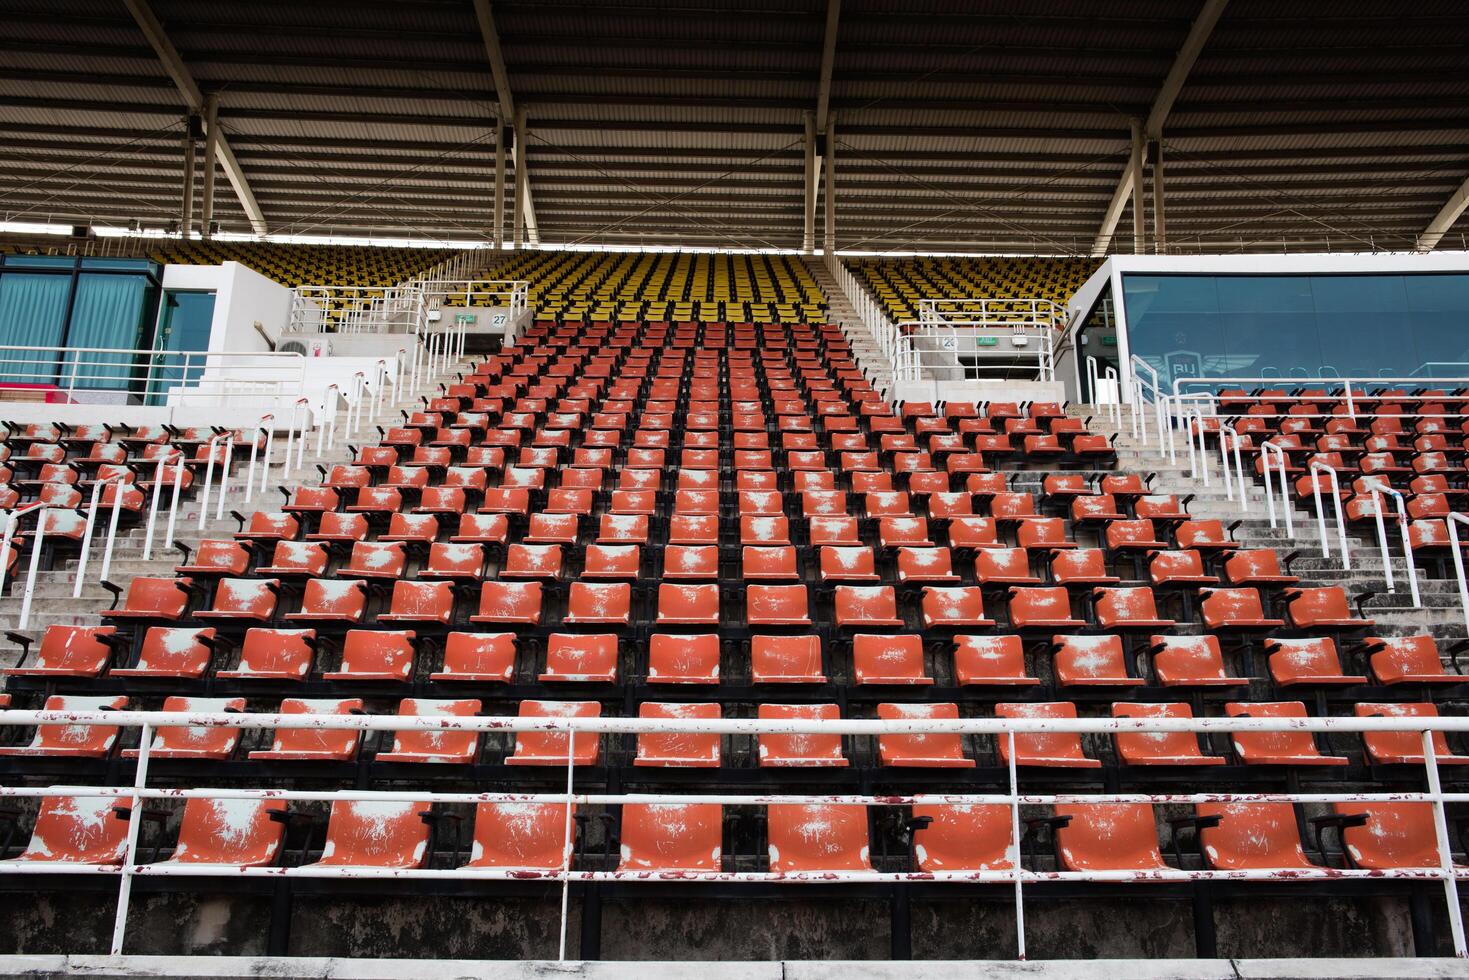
(1228, 438)
(328, 432)
(209, 448)
(1287, 505)
(1452, 521)
(1017, 874)
(195, 377)
(24, 619)
(7, 537)
(92, 508)
(265, 427)
(158, 485)
(1317, 466)
(1407, 542)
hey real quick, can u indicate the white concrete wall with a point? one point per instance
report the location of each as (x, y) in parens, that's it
(979, 391)
(241, 297)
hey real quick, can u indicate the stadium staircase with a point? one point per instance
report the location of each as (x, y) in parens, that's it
(870, 358)
(1440, 615)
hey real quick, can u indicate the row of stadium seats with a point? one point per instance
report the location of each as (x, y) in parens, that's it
(576, 286)
(780, 839)
(900, 283)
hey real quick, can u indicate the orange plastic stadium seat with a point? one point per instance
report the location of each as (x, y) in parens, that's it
(683, 659)
(1159, 748)
(776, 605)
(818, 837)
(1408, 660)
(802, 750)
(786, 660)
(889, 660)
(991, 660)
(78, 830)
(678, 749)
(688, 605)
(314, 744)
(509, 603)
(965, 837)
(229, 833)
(866, 606)
(520, 836)
(1235, 610)
(154, 599)
(1283, 748)
(552, 748)
(429, 746)
(1128, 609)
(1392, 835)
(929, 751)
(70, 651)
(1055, 749)
(1250, 836)
(375, 655)
(1093, 660)
(385, 560)
(327, 600)
(1311, 660)
(1389, 748)
(75, 741)
(1108, 837)
(1322, 608)
(194, 742)
(1190, 661)
(274, 654)
(478, 658)
(1004, 566)
(671, 837)
(1042, 608)
(376, 834)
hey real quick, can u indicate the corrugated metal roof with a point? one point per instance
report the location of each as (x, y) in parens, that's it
(951, 117)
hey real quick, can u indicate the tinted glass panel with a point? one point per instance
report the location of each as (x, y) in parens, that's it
(1300, 326)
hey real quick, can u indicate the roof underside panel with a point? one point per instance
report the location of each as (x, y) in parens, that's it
(956, 126)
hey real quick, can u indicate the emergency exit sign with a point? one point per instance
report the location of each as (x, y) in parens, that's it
(464, 318)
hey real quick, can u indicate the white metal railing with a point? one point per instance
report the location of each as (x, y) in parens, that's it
(455, 291)
(358, 309)
(1404, 537)
(11, 520)
(1318, 467)
(1444, 871)
(884, 331)
(1030, 311)
(154, 375)
(1287, 504)
(118, 480)
(973, 351)
(1349, 390)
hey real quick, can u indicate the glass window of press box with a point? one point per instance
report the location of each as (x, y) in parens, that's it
(48, 302)
(1299, 326)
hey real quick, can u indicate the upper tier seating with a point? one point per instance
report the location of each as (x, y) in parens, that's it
(898, 284)
(590, 286)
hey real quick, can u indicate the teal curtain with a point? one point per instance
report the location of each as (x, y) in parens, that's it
(107, 313)
(32, 313)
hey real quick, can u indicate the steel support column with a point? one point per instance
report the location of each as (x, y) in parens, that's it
(1160, 224)
(520, 181)
(186, 209)
(1139, 190)
(829, 230)
(498, 235)
(211, 155)
(808, 215)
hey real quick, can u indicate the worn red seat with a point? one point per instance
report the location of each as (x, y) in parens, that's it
(376, 834)
(926, 751)
(818, 838)
(1159, 748)
(1282, 748)
(75, 740)
(443, 746)
(801, 750)
(90, 830)
(671, 837)
(528, 837)
(678, 749)
(1047, 749)
(69, 651)
(198, 742)
(1390, 748)
(548, 748)
(1107, 837)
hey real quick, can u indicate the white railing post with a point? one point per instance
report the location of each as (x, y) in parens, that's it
(1287, 505)
(224, 474)
(130, 852)
(209, 448)
(173, 505)
(1445, 854)
(30, 587)
(1403, 532)
(1341, 524)
(158, 488)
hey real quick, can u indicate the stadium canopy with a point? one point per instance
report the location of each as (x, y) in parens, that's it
(944, 125)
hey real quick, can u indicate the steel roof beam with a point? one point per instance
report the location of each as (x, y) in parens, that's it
(174, 65)
(1131, 182)
(508, 117)
(1450, 213)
